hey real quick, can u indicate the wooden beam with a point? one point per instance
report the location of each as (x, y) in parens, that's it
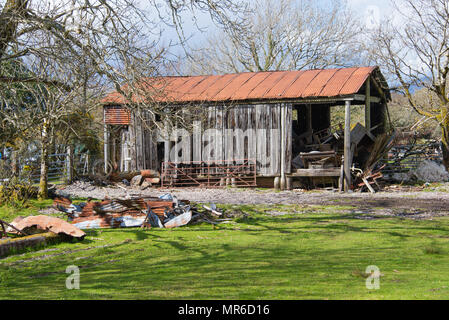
(362, 97)
(368, 105)
(327, 172)
(347, 145)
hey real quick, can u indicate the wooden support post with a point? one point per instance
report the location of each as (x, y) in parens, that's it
(69, 164)
(368, 106)
(341, 180)
(282, 182)
(106, 143)
(347, 146)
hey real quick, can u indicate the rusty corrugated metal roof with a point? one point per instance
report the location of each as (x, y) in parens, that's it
(247, 86)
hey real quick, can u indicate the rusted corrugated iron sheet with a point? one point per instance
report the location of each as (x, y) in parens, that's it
(318, 83)
(356, 80)
(117, 115)
(266, 85)
(233, 86)
(257, 85)
(221, 83)
(336, 83)
(296, 89)
(45, 224)
(245, 90)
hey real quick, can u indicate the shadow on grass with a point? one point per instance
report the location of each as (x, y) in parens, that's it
(245, 264)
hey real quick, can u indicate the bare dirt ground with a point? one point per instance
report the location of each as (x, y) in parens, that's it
(409, 202)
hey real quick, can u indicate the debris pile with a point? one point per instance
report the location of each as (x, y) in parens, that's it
(142, 179)
(165, 211)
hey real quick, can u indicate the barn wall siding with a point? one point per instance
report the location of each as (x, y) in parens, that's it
(142, 144)
(236, 133)
(228, 133)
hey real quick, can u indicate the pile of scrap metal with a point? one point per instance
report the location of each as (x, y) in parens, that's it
(164, 212)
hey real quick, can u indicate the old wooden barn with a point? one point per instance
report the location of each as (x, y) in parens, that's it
(263, 128)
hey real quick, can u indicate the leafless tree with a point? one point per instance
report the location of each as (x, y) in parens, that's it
(67, 46)
(414, 54)
(282, 35)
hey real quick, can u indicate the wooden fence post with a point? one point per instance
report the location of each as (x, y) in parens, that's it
(69, 164)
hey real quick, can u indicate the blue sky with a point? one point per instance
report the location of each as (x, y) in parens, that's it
(370, 11)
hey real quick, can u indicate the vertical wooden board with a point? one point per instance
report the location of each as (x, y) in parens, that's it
(211, 126)
(261, 137)
(197, 141)
(154, 155)
(238, 139)
(275, 139)
(122, 150)
(132, 143)
(176, 139)
(251, 127)
(139, 144)
(167, 150)
(218, 137)
(167, 144)
(152, 137)
(288, 138)
(229, 135)
(208, 136)
(267, 121)
(146, 144)
(186, 139)
(243, 126)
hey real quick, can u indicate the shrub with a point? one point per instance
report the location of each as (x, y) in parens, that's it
(16, 192)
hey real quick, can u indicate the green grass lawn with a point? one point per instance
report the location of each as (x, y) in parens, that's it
(305, 253)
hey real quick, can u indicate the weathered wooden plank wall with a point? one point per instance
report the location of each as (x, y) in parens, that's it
(235, 133)
(142, 144)
(228, 133)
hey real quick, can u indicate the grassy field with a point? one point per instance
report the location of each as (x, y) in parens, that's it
(301, 253)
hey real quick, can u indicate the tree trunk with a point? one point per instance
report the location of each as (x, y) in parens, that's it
(8, 26)
(43, 183)
(15, 163)
(445, 149)
(445, 137)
